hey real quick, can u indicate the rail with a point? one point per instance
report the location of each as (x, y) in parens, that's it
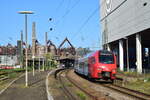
(83, 89)
(66, 91)
(5, 75)
(129, 92)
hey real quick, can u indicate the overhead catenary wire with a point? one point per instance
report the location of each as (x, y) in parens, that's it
(68, 11)
(60, 4)
(85, 22)
(68, 4)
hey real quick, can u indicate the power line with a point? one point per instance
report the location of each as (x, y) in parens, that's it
(86, 21)
(68, 11)
(60, 4)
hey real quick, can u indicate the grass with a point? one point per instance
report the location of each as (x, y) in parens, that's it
(81, 95)
(23, 86)
(140, 85)
(69, 84)
(10, 70)
(59, 86)
(131, 73)
(11, 73)
(141, 82)
(134, 74)
(147, 79)
(85, 86)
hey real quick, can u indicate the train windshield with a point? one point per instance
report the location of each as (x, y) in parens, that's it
(106, 58)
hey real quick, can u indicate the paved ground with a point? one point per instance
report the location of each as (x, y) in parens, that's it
(35, 91)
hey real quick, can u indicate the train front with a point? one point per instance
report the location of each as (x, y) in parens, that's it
(106, 68)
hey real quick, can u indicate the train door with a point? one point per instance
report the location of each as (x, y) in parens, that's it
(86, 67)
(81, 67)
(91, 66)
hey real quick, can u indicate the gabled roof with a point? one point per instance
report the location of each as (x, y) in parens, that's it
(66, 40)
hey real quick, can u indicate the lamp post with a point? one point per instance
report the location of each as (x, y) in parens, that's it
(39, 63)
(26, 41)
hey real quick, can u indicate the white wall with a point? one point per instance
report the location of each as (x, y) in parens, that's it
(8, 60)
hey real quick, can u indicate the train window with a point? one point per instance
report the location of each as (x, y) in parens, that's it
(86, 63)
(106, 58)
(81, 64)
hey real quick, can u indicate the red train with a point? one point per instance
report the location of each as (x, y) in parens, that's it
(98, 65)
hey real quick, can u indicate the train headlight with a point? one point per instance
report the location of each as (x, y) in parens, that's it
(103, 66)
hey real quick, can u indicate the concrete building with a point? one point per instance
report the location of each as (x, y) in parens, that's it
(126, 31)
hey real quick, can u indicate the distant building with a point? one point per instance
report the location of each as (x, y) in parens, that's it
(8, 55)
(51, 48)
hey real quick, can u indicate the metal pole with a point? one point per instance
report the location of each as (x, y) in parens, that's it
(33, 45)
(46, 49)
(46, 41)
(26, 76)
(43, 64)
(39, 64)
(33, 66)
(26, 38)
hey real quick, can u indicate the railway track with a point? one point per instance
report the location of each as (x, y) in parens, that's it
(5, 76)
(58, 74)
(130, 92)
(5, 73)
(126, 91)
(68, 93)
(82, 89)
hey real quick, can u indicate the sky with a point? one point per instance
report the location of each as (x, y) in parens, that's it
(78, 20)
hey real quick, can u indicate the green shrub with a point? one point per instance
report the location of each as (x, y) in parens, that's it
(81, 95)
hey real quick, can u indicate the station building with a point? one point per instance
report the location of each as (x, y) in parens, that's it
(125, 27)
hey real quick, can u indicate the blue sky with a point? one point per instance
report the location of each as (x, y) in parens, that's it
(76, 19)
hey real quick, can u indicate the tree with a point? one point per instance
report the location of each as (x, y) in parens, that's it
(50, 61)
